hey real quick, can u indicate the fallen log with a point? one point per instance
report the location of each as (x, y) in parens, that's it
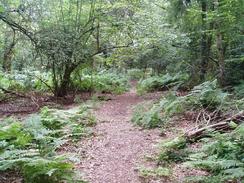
(221, 126)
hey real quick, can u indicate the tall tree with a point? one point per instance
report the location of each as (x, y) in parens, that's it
(9, 46)
(71, 33)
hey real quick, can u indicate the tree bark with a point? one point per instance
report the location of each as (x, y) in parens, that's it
(204, 42)
(220, 50)
(62, 89)
(8, 54)
(221, 58)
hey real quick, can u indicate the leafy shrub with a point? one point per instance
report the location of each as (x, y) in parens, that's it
(8, 83)
(86, 83)
(111, 83)
(74, 121)
(51, 120)
(103, 82)
(26, 80)
(157, 83)
(221, 154)
(158, 114)
(135, 74)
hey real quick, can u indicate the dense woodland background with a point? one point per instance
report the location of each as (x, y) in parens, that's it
(57, 50)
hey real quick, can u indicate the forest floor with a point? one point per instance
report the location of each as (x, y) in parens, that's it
(118, 148)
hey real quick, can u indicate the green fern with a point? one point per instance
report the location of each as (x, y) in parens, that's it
(147, 115)
(158, 83)
(173, 151)
(204, 96)
(15, 135)
(103, 81)
(30, 146)
(223, 157)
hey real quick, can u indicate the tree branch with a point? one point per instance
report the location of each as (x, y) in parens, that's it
(111, 48)
(18, 27)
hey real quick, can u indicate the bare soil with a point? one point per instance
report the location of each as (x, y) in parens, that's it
(20, 107)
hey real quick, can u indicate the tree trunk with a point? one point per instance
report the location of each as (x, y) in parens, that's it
(8, 54)
(204, 42)
(220, 50)
(221, 58)
(62, 89)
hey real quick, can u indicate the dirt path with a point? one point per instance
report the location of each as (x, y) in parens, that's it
(118, 148)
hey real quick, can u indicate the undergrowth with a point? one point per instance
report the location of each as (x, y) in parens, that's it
(173, 151)
(154, 173)
(205, 96)
(239, 90)
(31, 146)
(30, 80)
(158, 83)
(104, 82)
(26, 80)
(221, 155)
(135, 74)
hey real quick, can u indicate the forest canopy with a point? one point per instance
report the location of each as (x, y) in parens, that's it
(203, 38)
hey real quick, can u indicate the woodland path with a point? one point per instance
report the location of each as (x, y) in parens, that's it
(118, 147)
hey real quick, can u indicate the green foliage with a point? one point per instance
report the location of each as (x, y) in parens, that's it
(20, 150)
(104, 82)
(222, 156)
(112, 83)
(135, 74)
(195, 19)
(32, 79)
(26, 80)
(154, 173)
(173, 151)
(239, 90)
(30, 146)
(146, 115)
(158, 114)
(8, 82)
(68, 123)
(206, 95)
(202, 38)
(15, 135)
(52, 119)
(157, 83)
(234, 68)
